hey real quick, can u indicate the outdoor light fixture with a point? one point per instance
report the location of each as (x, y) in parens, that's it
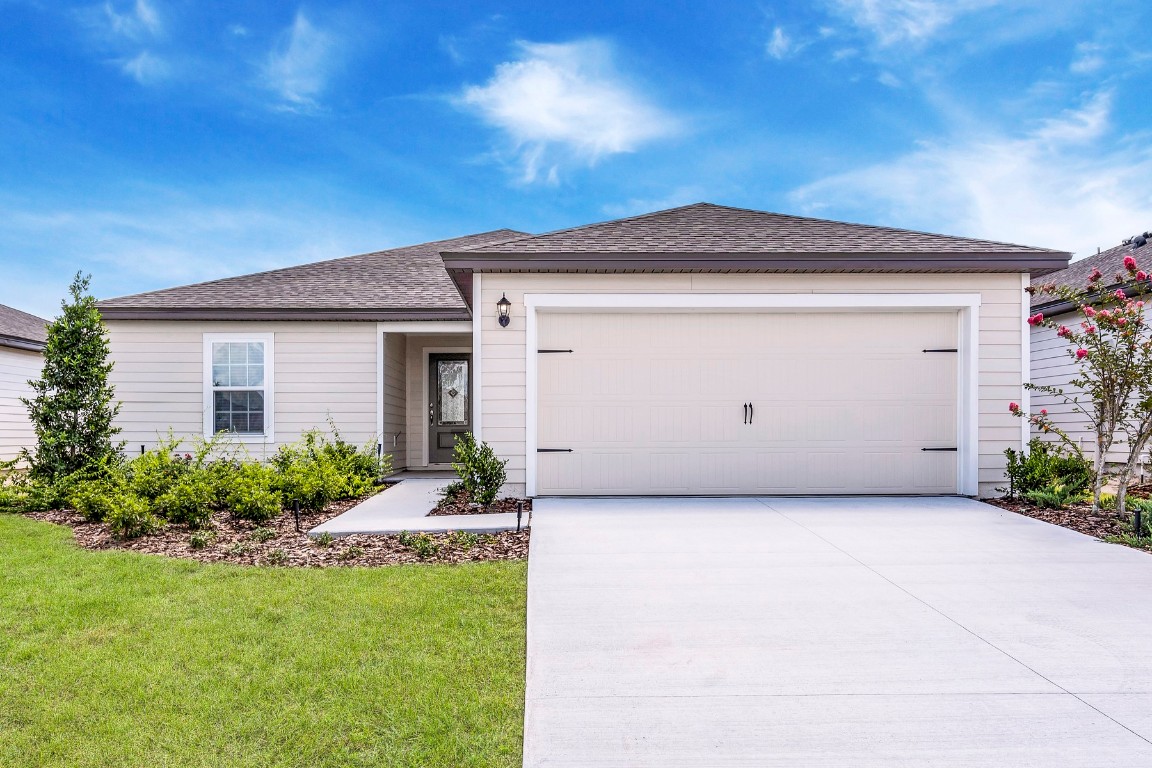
(502, 307)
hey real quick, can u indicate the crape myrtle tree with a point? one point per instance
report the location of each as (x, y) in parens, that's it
(1111, 348)
(72, 406)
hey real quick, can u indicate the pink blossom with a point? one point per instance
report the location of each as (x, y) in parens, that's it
(1120, 295)
(1081, 353)
(1090, 329)
(1036, 319)
(1129, 263)
(1121, 321)
(1141, 275)
(1043, 411)
(1063, 331)
(1013, 407)
(1089, 311)
(1096, 275)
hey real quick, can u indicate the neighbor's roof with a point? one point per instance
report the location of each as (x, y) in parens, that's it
(22, 330)
(399, 284)
(1109, 262)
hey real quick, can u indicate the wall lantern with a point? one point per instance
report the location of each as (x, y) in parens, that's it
(502, 307)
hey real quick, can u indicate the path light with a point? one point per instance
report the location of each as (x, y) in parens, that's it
(502, 307)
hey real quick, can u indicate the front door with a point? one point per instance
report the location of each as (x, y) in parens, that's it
(449, 403)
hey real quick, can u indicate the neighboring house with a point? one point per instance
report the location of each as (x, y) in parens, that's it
(22, 340)
(699, 350)
(1050, 364)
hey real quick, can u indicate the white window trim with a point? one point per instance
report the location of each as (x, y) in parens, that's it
(269, 340)
(968, 370)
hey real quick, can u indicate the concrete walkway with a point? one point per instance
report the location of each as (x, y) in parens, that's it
(404, 507)
(833, 633)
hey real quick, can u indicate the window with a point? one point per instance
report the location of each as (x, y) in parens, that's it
(238, 385)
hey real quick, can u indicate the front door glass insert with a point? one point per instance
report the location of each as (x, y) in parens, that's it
(452, 389)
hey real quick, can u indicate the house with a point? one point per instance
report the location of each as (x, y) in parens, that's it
(697, 350)
(22, 341)
(1050, 363)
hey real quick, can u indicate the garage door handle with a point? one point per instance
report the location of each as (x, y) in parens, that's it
(938, 449)
(751, 412)
(553, 450)
(745, 413)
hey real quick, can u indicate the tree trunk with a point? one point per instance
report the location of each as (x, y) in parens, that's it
(1098, 482)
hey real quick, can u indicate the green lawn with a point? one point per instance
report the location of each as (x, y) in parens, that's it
(115, 659)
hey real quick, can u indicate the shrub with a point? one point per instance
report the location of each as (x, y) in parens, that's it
(201, 539)
(130, 517)
(277, 557)
(317, 471)
(325, 539)
(1144, 507)
(97, 500)
(251, 493)
(351, 553)
(464, 540)
(262, 534)
(239, 548)
(405, 538)
(425, 546)
(155, 472)
(481, 472)
(190, 501)
(1045, 465)
(1055, 496)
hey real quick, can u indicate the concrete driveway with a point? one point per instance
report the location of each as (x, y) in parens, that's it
(832, 632)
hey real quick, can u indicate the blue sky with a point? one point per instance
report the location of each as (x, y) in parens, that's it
(160, 142)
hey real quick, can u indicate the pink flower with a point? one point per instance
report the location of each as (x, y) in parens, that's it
(1090, 329)
(1096, 275)
(1121, 321)
(1141, 275)
(1013, 407)
(1064, 331)
(1129, 263)
(1036, 319)
(1089, 311)
(1120, 295)
(1043, 411)
(1081, 353)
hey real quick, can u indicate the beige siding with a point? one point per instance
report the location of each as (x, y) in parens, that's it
(1001, 336)
(394, 438)
(419, 347)
(17, 366)
(321, 369)
(1052, 366)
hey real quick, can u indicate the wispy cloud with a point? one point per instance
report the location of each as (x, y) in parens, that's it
(146, 68)
(780, 45)
(1059, 184)
(561, 103)
(1089, 58)
(299, 67)
(893, 22)
(140, 21)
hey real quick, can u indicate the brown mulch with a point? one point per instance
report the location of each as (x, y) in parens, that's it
(1079, 517)
(237, 541)
(458, 504)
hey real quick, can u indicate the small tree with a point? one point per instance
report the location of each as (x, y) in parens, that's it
(1112, 349)
(72, 409)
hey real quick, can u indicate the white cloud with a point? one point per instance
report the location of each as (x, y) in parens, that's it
(139, 21)
(890, 80)
(780, 45)
(893, 22)
(565, 102)
(1058, 184)
(299, 67)
(1089, 59)
(146, 68)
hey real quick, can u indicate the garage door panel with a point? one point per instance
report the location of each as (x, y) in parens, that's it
(653, 403)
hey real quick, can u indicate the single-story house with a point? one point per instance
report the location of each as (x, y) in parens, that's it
(22, 341)
(698, 350)
(1049, 361)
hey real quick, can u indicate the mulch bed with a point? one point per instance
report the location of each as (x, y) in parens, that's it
(458, 504)
(1104, 524)
(277, 542)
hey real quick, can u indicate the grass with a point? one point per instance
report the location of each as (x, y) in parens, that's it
(121, 659)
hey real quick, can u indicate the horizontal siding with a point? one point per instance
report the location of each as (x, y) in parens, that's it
(395, 398)
(17, 367)
(1001, 337)
(322, 369)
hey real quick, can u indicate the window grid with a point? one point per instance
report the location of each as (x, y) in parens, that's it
(238, 381)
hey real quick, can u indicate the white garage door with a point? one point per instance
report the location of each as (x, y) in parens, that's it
(747, 403)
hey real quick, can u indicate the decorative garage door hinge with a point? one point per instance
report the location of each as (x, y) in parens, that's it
(940, 350)
(938, 449)
(552, 351)
(553, 450)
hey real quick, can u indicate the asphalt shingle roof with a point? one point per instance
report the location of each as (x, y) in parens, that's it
(1109, 262)
(17, 326)
(401, 283)
(705, 228)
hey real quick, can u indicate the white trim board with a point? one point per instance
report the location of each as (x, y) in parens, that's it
(1025, 358)
(425, 326)
(968, 346)
(477, 398)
